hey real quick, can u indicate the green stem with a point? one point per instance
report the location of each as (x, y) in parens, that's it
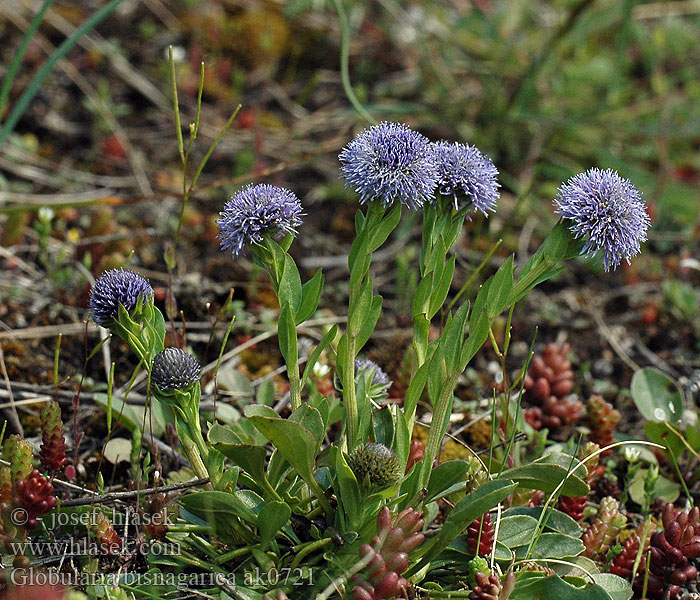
(345, 62)
(237, 553)
(349, 392)
(195, 458)
(440, 411)
(471, 278)
(322, 500)
(43, 72)
(303, 550)
(294, 384)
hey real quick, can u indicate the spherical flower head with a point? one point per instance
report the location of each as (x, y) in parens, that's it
(115, 287)
(606, 209)
(390, 162)
(465, 170)
(376, 462)
(256, 211)
(174, 369)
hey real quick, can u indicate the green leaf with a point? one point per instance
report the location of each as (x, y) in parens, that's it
(266, 393)
(664, 489)
(517, 530)
(661, 433)
(557, 520)
(616, 587)
(478, 332)
(415, 389)
(132, 416)
(370, 322)
(444, 476)
(158, 322)
(273, 516)
(532, 586)
(402, 444)
(207, 504)
(258, 410)
(383, 426)
(555, 246)
(293, 441)
(471, 507)
(380, 232)
(453, 336)
(421, 297)
(361, 309)
(442, 287)
(539, 475)
(313, 358)
(310, 295)
(500, 288)
(250, 458)
(289, 289)
(553, 545)
(656, 395)
(480, 303)
(350, 495)
(321, 404)
(311, 419)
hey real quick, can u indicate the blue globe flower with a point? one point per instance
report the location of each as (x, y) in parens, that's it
(255, 211)
(390, 162)
(465, 170)
(115, 287)
(607, 210)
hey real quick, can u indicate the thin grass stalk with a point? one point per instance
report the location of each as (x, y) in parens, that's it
(41, 75)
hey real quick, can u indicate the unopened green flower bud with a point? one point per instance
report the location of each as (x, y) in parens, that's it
(376, 462)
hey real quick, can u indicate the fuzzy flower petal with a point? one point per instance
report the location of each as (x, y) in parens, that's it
(115, 287)
(606, 209)
(174, 369)
(465, 170)
(390, 162)
(255, 211)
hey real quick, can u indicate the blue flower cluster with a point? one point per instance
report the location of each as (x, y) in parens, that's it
(606, 209)
(115, 287)
(465, 170)
(255, 211)
(390, 162)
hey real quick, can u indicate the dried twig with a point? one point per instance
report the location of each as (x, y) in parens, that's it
(116, 496)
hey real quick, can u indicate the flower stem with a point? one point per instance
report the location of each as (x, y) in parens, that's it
(195, 459)
(294, 384)
(440, 411)
(349, 392)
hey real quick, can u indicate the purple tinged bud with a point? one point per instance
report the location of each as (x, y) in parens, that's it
(174, 369)
(115, 287)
